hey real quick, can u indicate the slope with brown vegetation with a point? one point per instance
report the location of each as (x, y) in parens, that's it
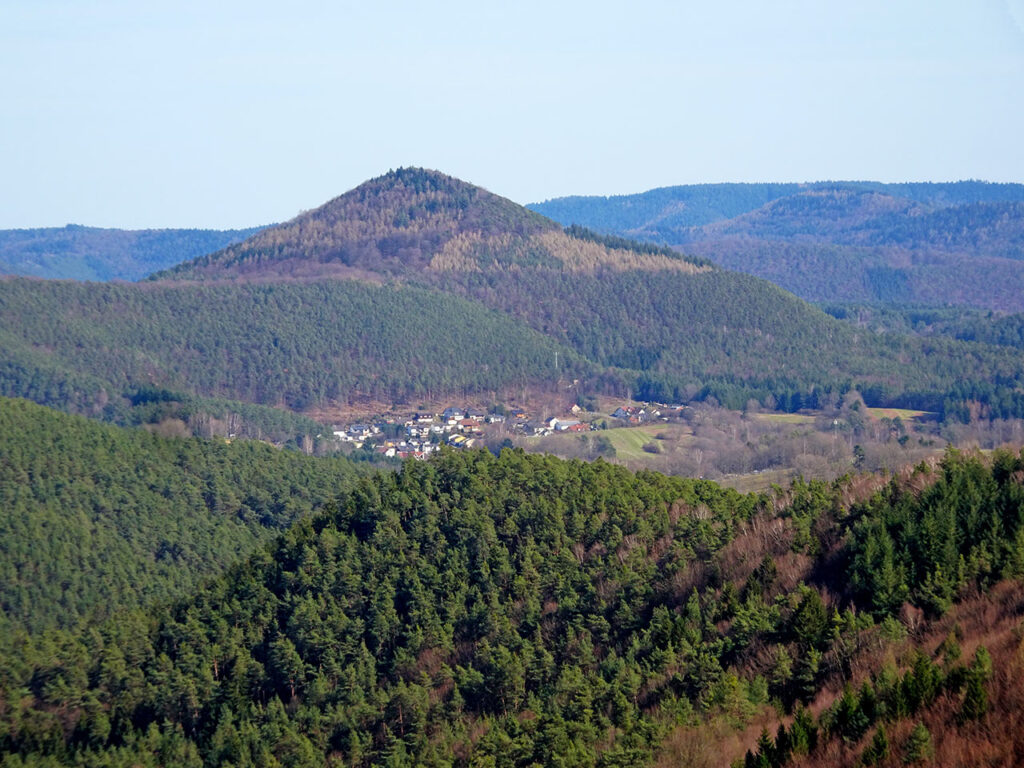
(412, 221)
(519, 610)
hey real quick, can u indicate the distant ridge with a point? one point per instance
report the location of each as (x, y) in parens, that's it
(75, 252)
(671, 209)
(836, 241)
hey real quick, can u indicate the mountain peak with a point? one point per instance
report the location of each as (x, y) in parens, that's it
(410, 221)
(392, 224)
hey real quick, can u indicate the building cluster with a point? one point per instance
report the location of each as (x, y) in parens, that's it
(417, 435)
(633, 414)
(420, 434)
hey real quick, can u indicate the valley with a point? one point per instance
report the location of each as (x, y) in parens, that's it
(422, 477)
(322, 447)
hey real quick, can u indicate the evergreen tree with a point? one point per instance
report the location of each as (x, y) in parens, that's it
(878, 749)
(919, 747)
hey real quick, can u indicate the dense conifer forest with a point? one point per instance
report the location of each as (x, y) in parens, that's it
(88, 347)
(94, 518)
(523, 610)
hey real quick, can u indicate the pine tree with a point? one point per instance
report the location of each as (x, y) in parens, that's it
(878, 749)
(975, 703)
(919, 745)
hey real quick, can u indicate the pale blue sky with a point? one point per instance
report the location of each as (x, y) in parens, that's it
(226, 114)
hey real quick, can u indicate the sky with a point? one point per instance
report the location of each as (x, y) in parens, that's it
(232, 114)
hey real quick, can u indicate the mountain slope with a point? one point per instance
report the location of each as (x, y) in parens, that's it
(95, 518)
(848, 241)
(412, 221)
(89, 253)
(639, 318)
(669, 211)
(479, 296)
(520, 610)
(894, 276)
(293, 344)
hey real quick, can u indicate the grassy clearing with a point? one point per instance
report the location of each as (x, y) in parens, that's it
(903, 413)
(758, 481)
(629, 441)
(785, 418)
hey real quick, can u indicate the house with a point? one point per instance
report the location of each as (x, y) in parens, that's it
(630, 413)
(569, 425)
(453, 414)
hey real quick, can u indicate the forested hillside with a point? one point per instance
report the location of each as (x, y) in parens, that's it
(411, 221)
(95, 518)
(90, 253)
(968, 325)
(292, 344)
(842, 241)
(674, 212)
(353, 302)
(522, 610)
(734, 337)
(674, 329)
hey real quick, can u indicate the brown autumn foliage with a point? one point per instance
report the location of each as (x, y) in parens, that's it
(413, 220)
(992, 620)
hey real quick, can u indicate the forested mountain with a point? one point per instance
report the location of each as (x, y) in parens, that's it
(90, 253)
(677, 327)
(967, 325)
(413, 221)
(289, 344)
(678, 209)
(843, 241)
(270, 321)
(522, 610)
(96, 518)
(893, 277)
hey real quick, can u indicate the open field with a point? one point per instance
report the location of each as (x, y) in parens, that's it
(626, 445)
(753, 482)
(629, 442)
(785, 418)
(903, 413)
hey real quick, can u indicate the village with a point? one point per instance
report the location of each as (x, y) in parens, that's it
(419, 434)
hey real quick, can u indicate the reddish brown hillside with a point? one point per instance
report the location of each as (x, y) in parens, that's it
(410, 221)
